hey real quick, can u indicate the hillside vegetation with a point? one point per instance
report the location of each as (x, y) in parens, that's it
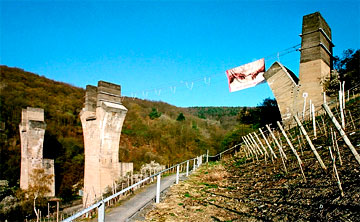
(152, 130)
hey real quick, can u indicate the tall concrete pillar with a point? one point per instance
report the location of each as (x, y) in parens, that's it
(315, 60)
(32, 131)
(315, 65)
(102, 119)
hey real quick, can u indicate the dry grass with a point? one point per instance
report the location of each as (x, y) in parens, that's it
(187, 201)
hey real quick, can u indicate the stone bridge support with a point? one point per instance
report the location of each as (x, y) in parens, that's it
(32, 132)
(315, 66)
(102, 119)
(315, 60)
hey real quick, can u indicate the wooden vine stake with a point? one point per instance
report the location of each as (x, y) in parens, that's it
(262, 146)
(302, 153)
(336, 173)
(276, 142)
(323, 122)
(352, 121)
(247, 156)
(293, 149)
(247, 146)
(310, 108)
(256, 145)
(343, 94)
(267, 143)
(318, 125)
(313, 119)
(341, 109)
(282, 154)
(342, 132)
(250, 148)
(335, 145)
(310, 143)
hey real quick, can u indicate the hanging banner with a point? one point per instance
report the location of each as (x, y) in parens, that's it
(246, 76)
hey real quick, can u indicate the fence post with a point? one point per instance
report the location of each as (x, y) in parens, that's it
(158, 188)
(101, 212)
(207, 155)
(177, 174)
(194, 167)
(187, 168)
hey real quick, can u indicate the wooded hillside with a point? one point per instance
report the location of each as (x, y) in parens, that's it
(152, 130)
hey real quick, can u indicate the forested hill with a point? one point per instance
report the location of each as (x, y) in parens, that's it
(226, 116)
(152, 130)
(63, 138)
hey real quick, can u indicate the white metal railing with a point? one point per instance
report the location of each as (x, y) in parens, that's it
(101, 204)
(221, 153)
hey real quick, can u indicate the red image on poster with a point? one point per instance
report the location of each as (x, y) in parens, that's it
(246, 76)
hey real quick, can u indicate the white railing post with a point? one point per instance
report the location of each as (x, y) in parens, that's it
(177, 174)
(101, 212)
(207, 155)
(187, 168)
(158, 188)
(194, 164)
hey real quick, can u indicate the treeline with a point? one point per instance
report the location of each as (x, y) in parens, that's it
(226, 116)
(214, 112)
(164, 133)
(348, 71)
(63, 138)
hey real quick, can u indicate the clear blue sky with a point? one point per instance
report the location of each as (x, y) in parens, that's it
(146, 46)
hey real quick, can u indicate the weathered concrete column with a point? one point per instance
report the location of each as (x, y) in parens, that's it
(315, 66)
(102, 119)
(316, 58)
(32, 132)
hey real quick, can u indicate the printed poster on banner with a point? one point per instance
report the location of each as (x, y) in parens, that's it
(246, 76)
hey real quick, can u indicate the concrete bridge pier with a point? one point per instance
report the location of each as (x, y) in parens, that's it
(32, 132)
(102, 119)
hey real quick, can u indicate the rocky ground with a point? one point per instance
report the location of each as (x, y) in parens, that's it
(243, 189)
